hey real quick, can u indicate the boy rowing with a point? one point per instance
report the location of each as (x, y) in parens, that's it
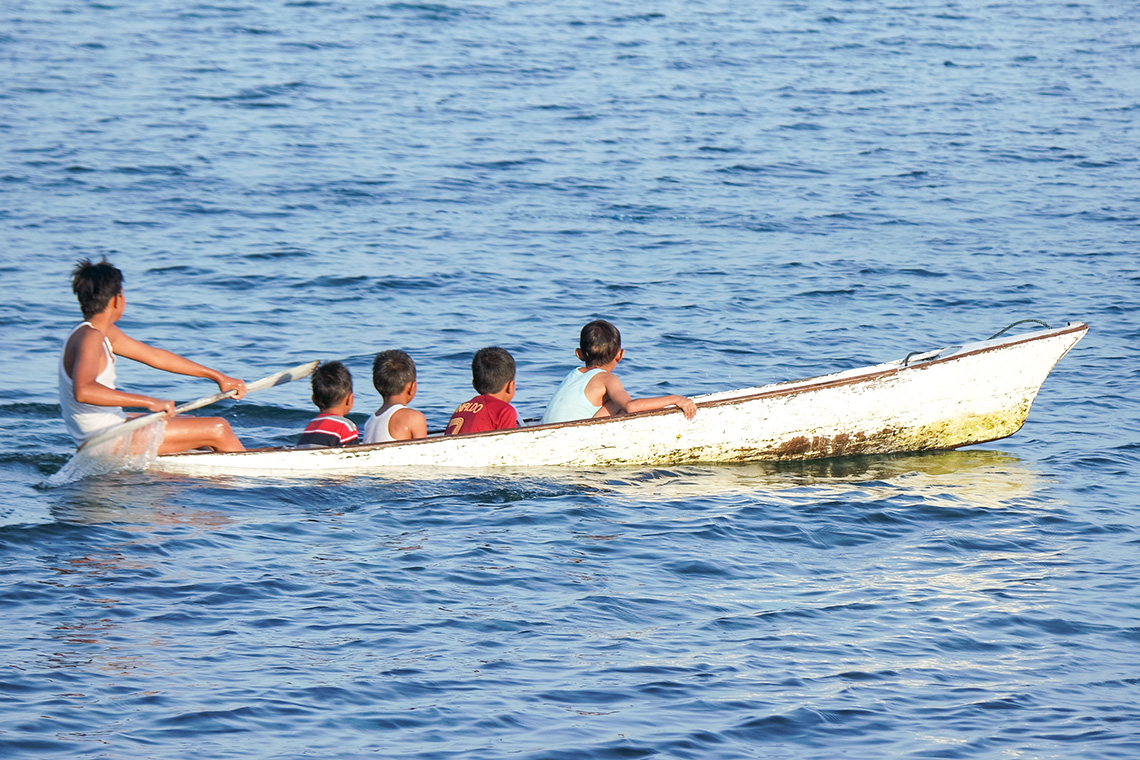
(88, 398)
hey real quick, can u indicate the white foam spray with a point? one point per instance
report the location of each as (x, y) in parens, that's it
(132, 452)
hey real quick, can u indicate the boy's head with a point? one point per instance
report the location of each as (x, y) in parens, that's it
(491, 369)
(392, 371)
(599, 344)
(95, 285)
(332, 385)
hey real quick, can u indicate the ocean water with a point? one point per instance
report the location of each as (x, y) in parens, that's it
(752, 194)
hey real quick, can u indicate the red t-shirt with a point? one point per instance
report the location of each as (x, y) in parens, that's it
(482, 413)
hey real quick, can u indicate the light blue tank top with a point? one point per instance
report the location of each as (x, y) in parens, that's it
(569, 402)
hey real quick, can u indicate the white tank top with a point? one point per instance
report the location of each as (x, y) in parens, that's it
(85, 420)
(376, 428)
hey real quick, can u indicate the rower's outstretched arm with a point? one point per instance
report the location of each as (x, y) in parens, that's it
(160, 358)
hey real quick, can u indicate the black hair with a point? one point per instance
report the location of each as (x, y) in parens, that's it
(332, 382)
(491, 369)
(95, 285)
(392, 371)
(600, 342)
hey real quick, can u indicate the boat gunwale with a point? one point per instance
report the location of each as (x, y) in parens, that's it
(804, 385)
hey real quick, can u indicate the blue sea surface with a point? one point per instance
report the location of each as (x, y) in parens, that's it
(752, 194)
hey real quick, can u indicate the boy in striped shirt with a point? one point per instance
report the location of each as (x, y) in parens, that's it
(332, 393)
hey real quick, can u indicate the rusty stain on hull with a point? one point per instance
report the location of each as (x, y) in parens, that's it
(949, 434)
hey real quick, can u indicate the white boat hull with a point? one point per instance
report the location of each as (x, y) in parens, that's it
(939, 400)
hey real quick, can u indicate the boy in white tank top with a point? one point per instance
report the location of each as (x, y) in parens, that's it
(394, 375)
(89, 398)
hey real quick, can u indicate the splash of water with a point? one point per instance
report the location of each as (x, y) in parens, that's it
(132, 452)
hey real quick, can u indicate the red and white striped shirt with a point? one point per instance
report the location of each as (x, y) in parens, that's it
(330, 430)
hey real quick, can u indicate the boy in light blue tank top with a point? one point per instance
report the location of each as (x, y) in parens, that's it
(595, 391)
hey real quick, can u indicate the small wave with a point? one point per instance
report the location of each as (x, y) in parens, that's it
(776, 170)
(637, 18)
(923, 272)
(154, 170)
(30, 408)
(279, 253)
(414, 283)
(193, 271)
(340, 282)
(427, 11)
(837, 292)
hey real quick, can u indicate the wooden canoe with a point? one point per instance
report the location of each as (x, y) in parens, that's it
(941, 399)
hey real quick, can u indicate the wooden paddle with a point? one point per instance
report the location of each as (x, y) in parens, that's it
(280, 378)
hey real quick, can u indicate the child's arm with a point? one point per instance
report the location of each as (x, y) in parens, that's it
(407, 424)
(616, 395)
(169, 361)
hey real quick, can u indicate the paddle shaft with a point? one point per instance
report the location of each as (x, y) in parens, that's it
(279, 378)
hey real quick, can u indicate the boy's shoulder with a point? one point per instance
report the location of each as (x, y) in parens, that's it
(86, 335)
(602, 375)
(486, 399)
(330, 421)
(503, 410)
(397, 412)
(404, 412)
(409, 421)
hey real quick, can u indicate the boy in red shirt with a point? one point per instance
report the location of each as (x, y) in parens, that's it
(493, 375)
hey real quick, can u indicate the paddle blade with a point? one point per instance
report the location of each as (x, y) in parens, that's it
(118, 431)
(129, 451)
(285, 376)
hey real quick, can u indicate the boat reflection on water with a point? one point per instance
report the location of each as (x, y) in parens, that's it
(980, 478)
(133, 501)
(975, 477)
